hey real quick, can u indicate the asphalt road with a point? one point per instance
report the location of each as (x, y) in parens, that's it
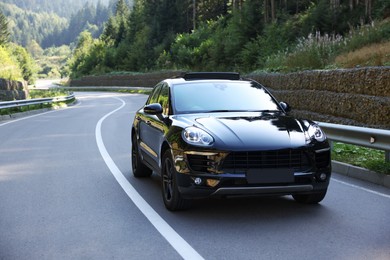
(67, 192)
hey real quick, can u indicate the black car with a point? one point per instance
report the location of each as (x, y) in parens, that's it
(218, 135)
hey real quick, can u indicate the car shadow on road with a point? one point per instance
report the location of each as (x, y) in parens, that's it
(233, 208)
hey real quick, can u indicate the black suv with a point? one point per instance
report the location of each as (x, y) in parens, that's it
(216, 134)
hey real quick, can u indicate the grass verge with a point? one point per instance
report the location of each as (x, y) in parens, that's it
(42, 93)
(371, 159)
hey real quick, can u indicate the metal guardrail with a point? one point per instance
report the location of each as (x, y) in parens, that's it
(36, 101)
(362, 136)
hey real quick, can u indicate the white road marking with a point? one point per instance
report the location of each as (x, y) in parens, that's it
(27, 117)
(176, 241)
(361, 188)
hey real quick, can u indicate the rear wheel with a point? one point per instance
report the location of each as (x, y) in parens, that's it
(139, 168)
(312, 198)
(171, 195)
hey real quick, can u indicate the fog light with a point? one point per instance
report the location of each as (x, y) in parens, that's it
(212, 182)
(198, 181)
(323, 176)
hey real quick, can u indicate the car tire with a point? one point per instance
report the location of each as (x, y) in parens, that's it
(312, 198)
(138, 167)
(172, 198)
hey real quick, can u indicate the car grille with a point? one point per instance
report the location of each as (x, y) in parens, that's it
(237, 162)
(296, 159)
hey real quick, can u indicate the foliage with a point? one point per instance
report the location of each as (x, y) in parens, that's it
(364, 35)
(4, 32)
(53, 6)
(46, 23)
(9, 68)
(25, 62)
(39, 93)
(88, 18)
(323, 51)
(190, 51)
(376, 54)
(52, 62)
(15, 62)
(78, 62)
(232, 35)
(116, 26)
(25, 25)
(360, 156)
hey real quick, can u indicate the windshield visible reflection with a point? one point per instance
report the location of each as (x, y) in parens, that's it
(221, 96)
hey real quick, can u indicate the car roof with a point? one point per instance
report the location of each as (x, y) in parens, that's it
(205, 76)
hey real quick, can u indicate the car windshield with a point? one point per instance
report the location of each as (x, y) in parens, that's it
(221, 96)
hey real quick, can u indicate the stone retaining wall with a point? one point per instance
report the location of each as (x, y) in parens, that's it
(358, 96)
(11, 90)
(354, 97)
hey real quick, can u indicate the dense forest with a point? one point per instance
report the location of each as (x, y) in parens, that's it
(15, 62)
(243, 35)
(51, 23)
(95, 37)
(60, 7)
(47, 30)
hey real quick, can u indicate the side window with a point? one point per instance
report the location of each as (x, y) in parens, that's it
(154, 96)
(163, 99)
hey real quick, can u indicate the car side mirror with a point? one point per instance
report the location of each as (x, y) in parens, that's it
(286, 107)
(153, 109)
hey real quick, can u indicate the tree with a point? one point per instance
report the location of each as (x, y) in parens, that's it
(9, 67)
(25, 61)
(80, 54)
(4, 33)
(34, 48)
(116, 27)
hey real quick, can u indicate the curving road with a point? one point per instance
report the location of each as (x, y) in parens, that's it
(67, 192)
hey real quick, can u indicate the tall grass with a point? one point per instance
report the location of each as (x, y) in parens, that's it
(366, 46)
(377, 54)
(314, 52)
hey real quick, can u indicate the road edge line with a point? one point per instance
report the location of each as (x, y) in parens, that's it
(173, 238)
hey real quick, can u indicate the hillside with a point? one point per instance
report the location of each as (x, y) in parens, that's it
(54, 6)
(25, 26)
(245, 36)
(50, 29)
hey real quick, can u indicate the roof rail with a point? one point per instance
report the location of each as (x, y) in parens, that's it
(212, 75)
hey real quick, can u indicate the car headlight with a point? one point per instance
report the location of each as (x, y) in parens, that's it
(197, 136)
(315, 132)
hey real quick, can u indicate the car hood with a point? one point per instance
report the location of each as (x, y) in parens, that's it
(263, 131)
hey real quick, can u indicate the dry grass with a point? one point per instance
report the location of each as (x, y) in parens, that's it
(377, 54)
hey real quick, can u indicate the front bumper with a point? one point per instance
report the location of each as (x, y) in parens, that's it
(190, 187)
(212, 181)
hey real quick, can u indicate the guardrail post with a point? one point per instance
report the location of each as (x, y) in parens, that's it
(331, 144)
(387, 156)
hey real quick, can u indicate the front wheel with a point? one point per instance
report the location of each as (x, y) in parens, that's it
(312, 198)
(171, 195)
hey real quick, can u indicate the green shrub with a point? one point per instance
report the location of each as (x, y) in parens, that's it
(9, 68)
